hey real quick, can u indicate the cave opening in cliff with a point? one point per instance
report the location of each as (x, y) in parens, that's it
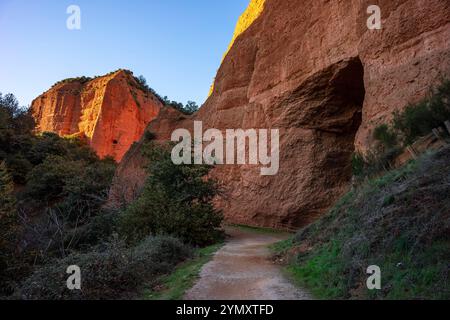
(349, 94)
(330, 105)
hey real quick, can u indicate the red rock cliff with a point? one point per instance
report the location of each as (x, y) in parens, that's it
(111, 111)
(313, 69)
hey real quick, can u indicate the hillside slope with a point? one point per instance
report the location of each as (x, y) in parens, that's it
(399, 222)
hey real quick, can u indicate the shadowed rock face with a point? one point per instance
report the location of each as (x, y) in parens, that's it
(111, 112)
(312, 69)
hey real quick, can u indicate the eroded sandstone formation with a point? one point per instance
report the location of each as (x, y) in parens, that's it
(111, 112)
(313, 69)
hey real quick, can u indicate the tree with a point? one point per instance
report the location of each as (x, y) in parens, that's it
(191, 107)
(176, 200)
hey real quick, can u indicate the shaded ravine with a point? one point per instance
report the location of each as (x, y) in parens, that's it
(242, 270)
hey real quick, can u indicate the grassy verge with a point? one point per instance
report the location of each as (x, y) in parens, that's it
(174, 286)
(399, 222)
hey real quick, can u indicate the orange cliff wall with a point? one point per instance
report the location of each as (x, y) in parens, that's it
(111, 112)
(313, 70)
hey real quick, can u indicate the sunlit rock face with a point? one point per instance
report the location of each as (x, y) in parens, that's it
(253, 11)
(315, 71)
(111, 111)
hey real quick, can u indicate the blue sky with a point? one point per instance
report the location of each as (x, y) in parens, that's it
(176, 44)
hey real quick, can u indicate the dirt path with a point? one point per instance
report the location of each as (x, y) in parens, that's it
(241, 270)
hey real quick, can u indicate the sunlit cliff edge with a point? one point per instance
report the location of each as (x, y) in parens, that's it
(253, 11)
(110, 112)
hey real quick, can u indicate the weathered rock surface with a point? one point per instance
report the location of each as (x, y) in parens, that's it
(314, 70)
(111, 112)
(130, 176)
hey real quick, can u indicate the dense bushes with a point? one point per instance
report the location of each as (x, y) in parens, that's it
(65, 189)
(51, 189)
(415, 121)
(177, 200)
(107, 273)
(419, 119)
(70, 183)
(52, 215)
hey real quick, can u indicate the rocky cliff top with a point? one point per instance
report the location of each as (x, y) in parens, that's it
(110, 111)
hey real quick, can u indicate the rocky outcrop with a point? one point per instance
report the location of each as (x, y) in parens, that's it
(130, 176)
(111, 111)
(315, 71)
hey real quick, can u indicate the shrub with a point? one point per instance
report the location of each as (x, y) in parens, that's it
(20, 167)
(420, 118)
(69, 196)
(149, 136)
(8, 228)
(384, 134)
(107, 273)
(358, 164)
(46, 182)
(414, 121)
(81, 80)
(70, 183)
(176, 200)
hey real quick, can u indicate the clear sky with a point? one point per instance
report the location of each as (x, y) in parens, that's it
(176, 44)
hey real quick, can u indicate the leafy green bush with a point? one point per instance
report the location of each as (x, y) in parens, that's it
(415, 121)
(69, 195)
(419, 119)
(385, 135)
(176, 200)
(47, 181)
(358, 164)
(76, 179)
(107, 273)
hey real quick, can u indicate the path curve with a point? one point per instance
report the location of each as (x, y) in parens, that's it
(242, 270)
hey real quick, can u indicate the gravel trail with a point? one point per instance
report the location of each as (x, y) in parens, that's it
(242, 270)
